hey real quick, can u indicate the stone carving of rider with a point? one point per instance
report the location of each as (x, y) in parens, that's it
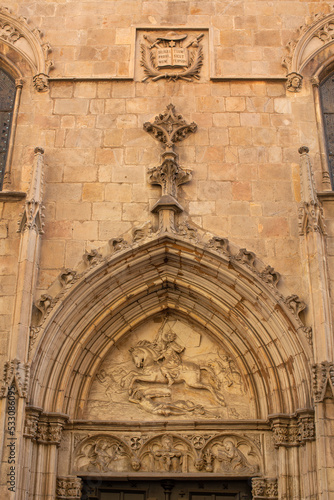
(169, 351)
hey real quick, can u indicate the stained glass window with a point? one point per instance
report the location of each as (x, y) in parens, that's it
(7, 96)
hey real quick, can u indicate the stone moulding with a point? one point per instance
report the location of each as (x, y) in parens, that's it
(28, 41)
(311, 39)
(293, 430)
(240, 259)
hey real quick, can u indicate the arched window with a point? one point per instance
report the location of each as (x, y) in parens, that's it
(7, 97)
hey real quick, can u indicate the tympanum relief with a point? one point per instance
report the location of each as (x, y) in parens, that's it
(168, 370)
(168, 453)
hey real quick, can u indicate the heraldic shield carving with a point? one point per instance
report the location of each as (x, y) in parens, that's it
(174, 371)
(173, 55)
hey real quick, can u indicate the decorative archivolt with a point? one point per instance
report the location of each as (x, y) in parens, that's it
(209, 284)
(28, 42)
(312, 38)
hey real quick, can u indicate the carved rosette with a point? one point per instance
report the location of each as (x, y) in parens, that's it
(264, 488)
(68, 488)
(293, 430)
(17, 373)
(323, 381)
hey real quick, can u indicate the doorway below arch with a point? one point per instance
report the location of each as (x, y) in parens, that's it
(166, 489)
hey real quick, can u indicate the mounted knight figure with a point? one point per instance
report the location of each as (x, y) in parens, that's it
(160, 362)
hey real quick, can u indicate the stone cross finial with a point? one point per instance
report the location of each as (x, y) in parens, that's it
(169, 128)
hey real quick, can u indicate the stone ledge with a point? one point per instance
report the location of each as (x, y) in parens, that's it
(12, 195)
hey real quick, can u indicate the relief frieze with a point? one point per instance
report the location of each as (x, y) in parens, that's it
(228, 454)
(168, 372)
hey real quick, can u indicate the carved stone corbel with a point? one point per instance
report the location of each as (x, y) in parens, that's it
(294, 82)
(68, 488)
(41, 82)
(17, 373)
(323, 381)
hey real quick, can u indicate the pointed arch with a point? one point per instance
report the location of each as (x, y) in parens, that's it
(247, 316)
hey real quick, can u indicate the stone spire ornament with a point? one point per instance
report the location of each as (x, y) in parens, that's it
(169, 128)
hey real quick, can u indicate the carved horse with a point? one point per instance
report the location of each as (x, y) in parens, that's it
(145, 358)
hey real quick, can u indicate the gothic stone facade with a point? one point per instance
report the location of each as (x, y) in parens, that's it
(167, 225)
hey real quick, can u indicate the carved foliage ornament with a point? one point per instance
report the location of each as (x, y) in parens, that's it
(264, 488)
(310, 40)
(173, 56)
(44, 428)
(32, 216)
(293, 430)
(68, 488)
(170, 127)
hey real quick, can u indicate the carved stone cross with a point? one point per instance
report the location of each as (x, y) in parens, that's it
(169, 128)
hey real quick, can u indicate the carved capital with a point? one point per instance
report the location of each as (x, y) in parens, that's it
(31, 421)
(17, 373)
(264, 488)
(293, 430)
(285, 431)
(68, 488)
(50, 427)
(323, 381)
